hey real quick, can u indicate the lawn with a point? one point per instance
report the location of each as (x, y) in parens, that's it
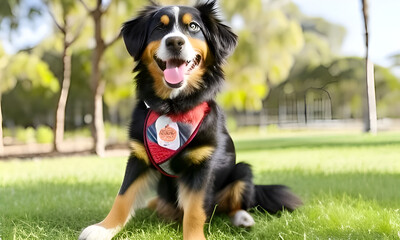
(349, 184)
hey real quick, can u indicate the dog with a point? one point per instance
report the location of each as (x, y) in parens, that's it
(179, 143)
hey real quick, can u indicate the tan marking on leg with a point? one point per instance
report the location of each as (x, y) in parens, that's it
(194, 215)
(230, 198)
(187, 18)
(165, 210)
(164, 20)
(138, 150)
(199, 154)
(122, 208)
(152, 204)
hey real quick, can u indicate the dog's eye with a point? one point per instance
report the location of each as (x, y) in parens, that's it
(194, 27)
(161, 27)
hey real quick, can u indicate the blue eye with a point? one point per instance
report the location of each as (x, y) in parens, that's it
(194, 27)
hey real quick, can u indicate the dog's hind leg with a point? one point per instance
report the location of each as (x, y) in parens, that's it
(165, 210)
(166, 203)
(237, 196)
(138, 178)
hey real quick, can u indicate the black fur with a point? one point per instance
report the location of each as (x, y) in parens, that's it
(275, 198)
(135, 31)
(173, 83)
(220, 169)
(219, 36)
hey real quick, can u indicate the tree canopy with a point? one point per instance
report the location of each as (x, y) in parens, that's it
(279, 48)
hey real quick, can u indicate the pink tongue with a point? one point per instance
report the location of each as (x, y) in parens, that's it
(174, 74)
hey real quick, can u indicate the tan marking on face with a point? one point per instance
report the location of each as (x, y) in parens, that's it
(138, 150)
(121, 209)
(230, 198)
(159, 87)
(187, 18)
(194, 215)
(201, 47)
(165, 210)
(199, 154)
(164, 20)
(195, 80)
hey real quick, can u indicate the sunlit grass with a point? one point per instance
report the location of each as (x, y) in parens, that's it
(348, 182)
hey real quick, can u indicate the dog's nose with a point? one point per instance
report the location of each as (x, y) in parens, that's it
(175, 43)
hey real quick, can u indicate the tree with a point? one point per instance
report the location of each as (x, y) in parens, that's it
(13, 12)
(97, 84)
(98, 14)
(64, 25)
(23, 66)
(16, 10)
(340, 79)
(120, 87)
(265, 53)
(396, 59)
(370, 116)
(6, 84)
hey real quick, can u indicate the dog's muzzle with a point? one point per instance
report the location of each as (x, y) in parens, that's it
(181, 60)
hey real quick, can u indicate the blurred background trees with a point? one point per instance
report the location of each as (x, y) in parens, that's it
(285, 70)
(269, 40)
(70, 22)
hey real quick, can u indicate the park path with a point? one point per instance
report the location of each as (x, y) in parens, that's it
(81, 146)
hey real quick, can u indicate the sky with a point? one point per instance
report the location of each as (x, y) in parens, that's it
(384, 29)
(30, 32)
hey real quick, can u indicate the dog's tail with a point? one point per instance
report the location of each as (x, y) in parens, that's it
(270, 198)
(275, 198)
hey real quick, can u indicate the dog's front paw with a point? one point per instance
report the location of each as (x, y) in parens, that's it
(242, 219)
(97, 232)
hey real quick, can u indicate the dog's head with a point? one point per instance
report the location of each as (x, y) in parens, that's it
(179, 51)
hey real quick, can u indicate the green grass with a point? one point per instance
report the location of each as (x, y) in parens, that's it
(350, 185)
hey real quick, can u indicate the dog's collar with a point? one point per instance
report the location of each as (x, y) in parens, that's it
(167, 135)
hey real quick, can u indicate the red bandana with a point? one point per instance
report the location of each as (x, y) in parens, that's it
(167, 135)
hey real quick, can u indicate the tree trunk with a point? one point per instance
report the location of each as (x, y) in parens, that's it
(98, 87)
(62, 101)
(1, 129)
(370, 121)
(98, 123)
(370, 116)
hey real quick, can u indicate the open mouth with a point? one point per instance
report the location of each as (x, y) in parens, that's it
(175, 69)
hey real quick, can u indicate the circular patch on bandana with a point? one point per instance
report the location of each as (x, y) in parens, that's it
(167, 134)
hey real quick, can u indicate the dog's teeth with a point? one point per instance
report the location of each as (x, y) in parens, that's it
(197, 59)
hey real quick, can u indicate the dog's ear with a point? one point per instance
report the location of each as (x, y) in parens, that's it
(220, 37)
(134, 32)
